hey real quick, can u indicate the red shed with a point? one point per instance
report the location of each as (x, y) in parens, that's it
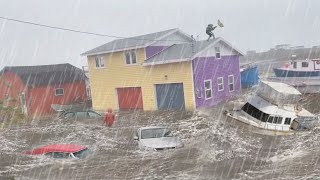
(35, 88)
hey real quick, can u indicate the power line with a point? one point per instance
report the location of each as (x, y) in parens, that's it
(78, 31)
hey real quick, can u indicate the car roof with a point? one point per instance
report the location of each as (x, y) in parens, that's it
(65, 148)
(74, 111)
(152, 127)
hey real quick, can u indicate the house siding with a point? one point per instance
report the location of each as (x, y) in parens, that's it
(41, 98)
(152, 50)
(117, 74)
(210, 68)
(12, 85)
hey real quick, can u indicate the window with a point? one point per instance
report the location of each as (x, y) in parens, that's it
(82, 114)
(131, 57)
(295, 65)
(69, 115)
(220, 83)
(208, 89)
(82, 154)
(287, 121)
(259, 115)
(58, 155)
(59, 92)
(305, 64)
(155, 133)
(254, 112)
(277, 120)
(99, 62)
(217, 49)
(93, 115)
(231, 83)
(271, 119)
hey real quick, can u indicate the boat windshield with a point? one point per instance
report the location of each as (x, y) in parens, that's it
(155, 133)
(82, 154)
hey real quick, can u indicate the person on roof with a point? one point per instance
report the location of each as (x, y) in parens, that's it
(209, 30)
(109, 118)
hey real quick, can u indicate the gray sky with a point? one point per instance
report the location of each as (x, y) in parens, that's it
(249, 24)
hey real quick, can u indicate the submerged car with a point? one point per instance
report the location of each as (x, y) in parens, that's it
(156, 138)
(61, 151)
(84, 114)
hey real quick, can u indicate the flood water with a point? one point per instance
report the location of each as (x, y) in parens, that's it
(215, 148)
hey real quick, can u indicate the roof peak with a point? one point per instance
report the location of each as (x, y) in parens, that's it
(139, 41)
(136, 36)
(39, 65)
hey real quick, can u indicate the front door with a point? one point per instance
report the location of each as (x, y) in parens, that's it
(23, 103)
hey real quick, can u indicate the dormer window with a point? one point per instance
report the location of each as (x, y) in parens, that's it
(131, 57)
(99, 61)
(218, 55)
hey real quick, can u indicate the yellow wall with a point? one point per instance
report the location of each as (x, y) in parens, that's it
(116, 73)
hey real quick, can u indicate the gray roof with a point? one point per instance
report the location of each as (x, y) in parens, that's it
(179, 51)
(45, 75)
(131, 42)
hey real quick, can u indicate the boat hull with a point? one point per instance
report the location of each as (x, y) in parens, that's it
(249, 76)
(258, 130)
(289, 73)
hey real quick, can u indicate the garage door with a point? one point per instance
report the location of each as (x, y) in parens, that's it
(130, 98)
(170, 96)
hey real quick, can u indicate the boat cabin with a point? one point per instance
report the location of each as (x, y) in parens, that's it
(304, 65)
(271, 116)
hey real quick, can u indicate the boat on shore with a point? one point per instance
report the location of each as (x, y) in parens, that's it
(275, 110)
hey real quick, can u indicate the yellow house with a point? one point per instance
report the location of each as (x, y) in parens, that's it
(120, 79)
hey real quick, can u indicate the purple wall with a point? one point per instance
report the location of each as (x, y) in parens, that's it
(152, 50)
(205, 68)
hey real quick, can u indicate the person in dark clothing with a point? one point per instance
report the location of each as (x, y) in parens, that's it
(209, 30)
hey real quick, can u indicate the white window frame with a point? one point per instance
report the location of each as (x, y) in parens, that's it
(205, 89)
(220, 84)
(99, 62)
(218, 51)
(130, 56)
(231, 83)
(55, 92)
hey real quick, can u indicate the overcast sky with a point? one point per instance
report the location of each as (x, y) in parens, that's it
(249, 24)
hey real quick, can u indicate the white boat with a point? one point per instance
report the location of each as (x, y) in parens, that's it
(299, 68)
(302, 74)
(275, 110)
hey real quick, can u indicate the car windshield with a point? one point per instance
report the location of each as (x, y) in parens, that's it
(93, 114)
(82, 154)
(155, 133)
(69, 115)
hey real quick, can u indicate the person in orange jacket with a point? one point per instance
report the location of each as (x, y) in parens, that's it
(109, 118)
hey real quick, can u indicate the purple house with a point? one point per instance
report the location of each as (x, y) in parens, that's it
(214, 64)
